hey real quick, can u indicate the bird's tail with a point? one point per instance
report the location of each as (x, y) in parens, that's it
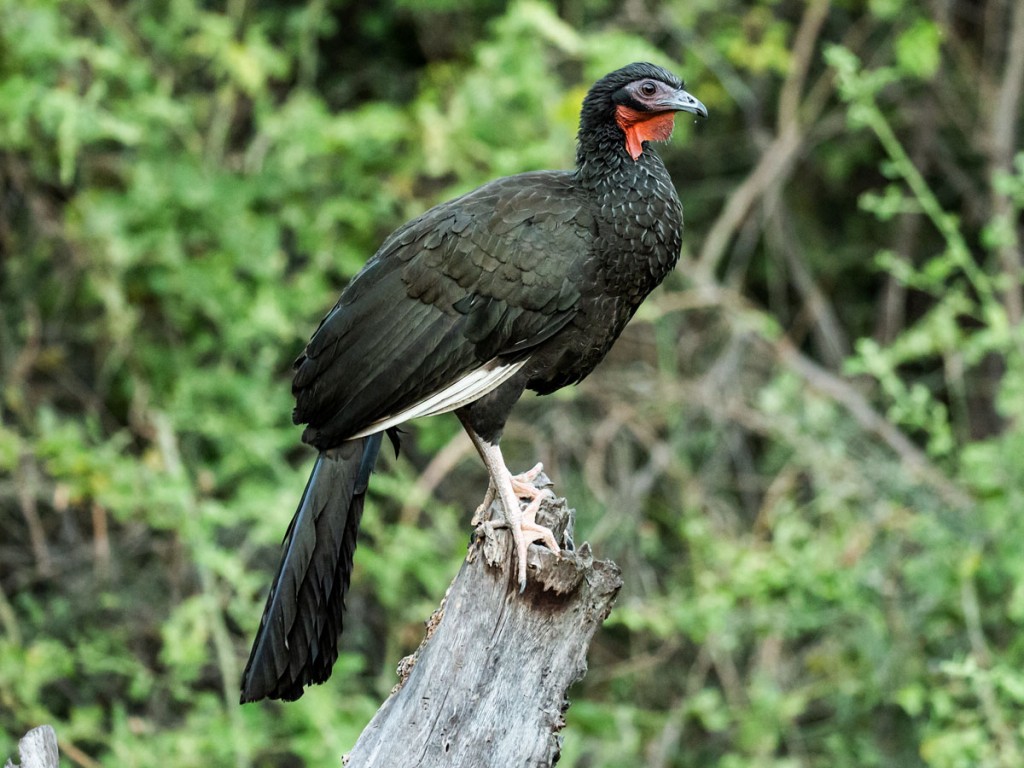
(297, 642)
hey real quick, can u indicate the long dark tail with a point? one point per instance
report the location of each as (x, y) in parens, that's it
(297, 642)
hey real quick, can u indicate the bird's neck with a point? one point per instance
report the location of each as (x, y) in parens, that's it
(637, 211)
(603, 165)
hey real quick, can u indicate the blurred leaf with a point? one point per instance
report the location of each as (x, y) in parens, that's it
(917, 49)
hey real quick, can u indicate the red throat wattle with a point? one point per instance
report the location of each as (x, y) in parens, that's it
(643, 126)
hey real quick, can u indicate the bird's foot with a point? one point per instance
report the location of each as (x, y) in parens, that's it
(522, 522)
(526, 530)
(523, 486)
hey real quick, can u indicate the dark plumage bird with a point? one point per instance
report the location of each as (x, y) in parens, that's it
(524, 283)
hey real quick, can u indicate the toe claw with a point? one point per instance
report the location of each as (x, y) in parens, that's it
(510, 489)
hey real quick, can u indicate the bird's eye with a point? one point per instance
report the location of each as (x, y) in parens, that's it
(648, 88)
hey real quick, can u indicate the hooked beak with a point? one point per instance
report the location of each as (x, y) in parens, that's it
(681, 101)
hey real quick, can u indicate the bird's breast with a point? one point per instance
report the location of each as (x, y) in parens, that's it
(639, 238)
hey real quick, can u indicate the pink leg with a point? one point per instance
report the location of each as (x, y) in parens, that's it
(522, 484)
(510, 488)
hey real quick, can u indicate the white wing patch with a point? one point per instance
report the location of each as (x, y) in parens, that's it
(464, 391)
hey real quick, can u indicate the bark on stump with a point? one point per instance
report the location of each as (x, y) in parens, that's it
(488, 685)
(37, 749)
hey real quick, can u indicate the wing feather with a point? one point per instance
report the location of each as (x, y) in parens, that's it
(448, 309)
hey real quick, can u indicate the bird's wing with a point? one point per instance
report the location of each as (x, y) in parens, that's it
(448, 308)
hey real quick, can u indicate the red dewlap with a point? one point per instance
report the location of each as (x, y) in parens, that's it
(643, 126)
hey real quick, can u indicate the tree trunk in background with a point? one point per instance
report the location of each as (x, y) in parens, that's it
(488, 685)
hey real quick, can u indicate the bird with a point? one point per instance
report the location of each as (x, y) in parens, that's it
(522, 283)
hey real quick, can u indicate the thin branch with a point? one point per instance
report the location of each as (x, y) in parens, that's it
(778, 158)
(100, 541)
(775, 163)
(166, 441)
(1005, 116)
(444, 461)
(1009, 750)
(857, 405)
(824, 381)
(802, 54)
(1006, 113)
(28, 491)
(667, 745)
(75, 753)
(9, 620)
(832, 340)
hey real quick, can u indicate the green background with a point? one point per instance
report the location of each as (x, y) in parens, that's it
(805, 453)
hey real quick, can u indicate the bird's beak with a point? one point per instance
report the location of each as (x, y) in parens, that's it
(681, 101)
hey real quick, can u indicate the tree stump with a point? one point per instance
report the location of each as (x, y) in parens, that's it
(488, 684)
(37, 749)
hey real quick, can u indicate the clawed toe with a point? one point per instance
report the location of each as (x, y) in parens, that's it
(526, 530)
(510, 489)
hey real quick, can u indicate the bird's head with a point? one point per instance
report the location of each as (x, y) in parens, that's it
(641, 100)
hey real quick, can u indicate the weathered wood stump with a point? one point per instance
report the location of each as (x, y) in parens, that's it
(37, 749)
(488, 684)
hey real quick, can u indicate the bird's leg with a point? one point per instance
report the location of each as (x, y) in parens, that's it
(521, 483)
(522, 522)
(509, 488)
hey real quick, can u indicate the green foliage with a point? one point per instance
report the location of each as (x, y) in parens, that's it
(812, 487)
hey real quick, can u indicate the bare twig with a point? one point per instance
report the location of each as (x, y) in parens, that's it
(832, 342)
(1009, 747)
(434, 473)
(76, 755)
(166, 441)
(775, 162)
(802, 54)
(857, 405)
(28, 493)
(826, 382)
(779, 156)
(9, 620)
(1004, 120)
(100, 541)
(666, 747)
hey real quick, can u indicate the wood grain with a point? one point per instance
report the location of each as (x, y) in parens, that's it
(488, 685)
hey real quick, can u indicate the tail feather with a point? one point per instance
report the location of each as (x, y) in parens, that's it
(297, 642)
